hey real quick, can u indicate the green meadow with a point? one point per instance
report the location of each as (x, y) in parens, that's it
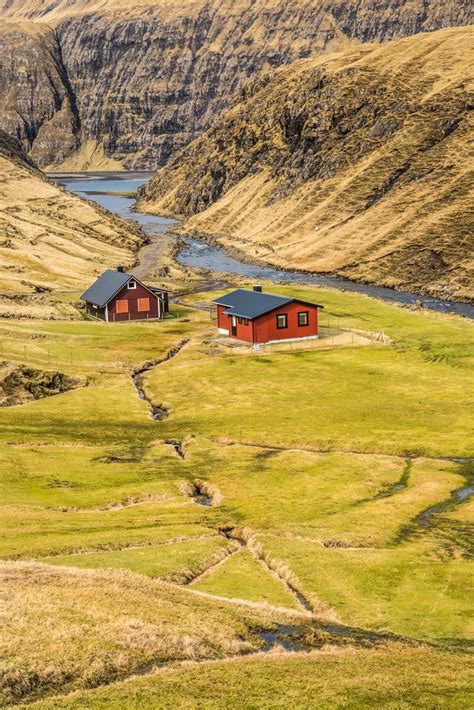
(335, 485)
(392, 678)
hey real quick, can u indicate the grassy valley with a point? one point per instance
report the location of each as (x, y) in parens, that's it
(357, 163)
(187, 521)
(318, 493)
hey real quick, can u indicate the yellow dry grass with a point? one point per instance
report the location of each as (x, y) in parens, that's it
(44, 10)
(91, 156)
(65, 628)
(380, 191)
(51, 240)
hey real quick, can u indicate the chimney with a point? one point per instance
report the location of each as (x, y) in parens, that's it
(257, 288)
(120, 269)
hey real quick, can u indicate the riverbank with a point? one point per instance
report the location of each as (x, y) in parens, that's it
(170, 250)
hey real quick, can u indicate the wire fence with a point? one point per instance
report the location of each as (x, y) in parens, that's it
(67, 358)
(334, 332)
(328, 339)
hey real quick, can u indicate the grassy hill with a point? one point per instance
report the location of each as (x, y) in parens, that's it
(339, 482)
(51, 240)
(359, 163)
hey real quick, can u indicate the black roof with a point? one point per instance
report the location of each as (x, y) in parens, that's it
(106, 287)
(252, 304)
(110, 283)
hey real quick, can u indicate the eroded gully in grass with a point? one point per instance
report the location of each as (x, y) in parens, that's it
(428, 518)
(393, 488)
(178, 447)
(156, 412)
(287, 638)
(247, 539)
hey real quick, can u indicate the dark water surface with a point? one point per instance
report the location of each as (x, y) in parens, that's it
(100, 187)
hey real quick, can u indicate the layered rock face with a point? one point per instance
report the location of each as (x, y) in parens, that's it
(139, 83)
(37, 104)
(359, 163)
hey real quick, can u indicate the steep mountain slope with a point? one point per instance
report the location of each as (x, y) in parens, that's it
(49, 238)
(134, 82)
(36, 99)
(359, 163)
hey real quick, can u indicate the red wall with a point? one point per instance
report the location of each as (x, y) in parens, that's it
(265, 328)
(222, 320)
(244, 332)
(132, 296)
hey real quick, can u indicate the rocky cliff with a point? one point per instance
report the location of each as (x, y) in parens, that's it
(50, 240)
(359, 163)
(37, 104)
(95, 80)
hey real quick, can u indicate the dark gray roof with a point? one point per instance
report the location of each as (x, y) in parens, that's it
(251, 304)
(105, 287)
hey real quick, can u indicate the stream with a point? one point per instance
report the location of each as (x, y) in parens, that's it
(115, 192)
(157, 413)
(426, 518)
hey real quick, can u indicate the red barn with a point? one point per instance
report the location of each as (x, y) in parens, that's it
(258, 317)
(118, 296)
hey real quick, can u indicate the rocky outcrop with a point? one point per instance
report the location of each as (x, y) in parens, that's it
(11, 149)
(141, 82)
(358, 164)
(21, 384)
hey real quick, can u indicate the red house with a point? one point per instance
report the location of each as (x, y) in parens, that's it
(258, 317)
(118, 296)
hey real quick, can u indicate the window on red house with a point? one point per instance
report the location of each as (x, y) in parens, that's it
(122, 306)
(282, 321)
(303, 318)
(143, 304)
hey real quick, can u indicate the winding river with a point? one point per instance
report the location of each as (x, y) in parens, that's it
(114, 191)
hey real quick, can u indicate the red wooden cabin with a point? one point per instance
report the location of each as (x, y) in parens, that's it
(118, 296)
(258, 317)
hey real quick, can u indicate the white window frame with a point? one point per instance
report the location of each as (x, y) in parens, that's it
(131, 285)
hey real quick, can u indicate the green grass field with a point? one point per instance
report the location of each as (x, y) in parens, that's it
(322, 468)
(394, 678)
